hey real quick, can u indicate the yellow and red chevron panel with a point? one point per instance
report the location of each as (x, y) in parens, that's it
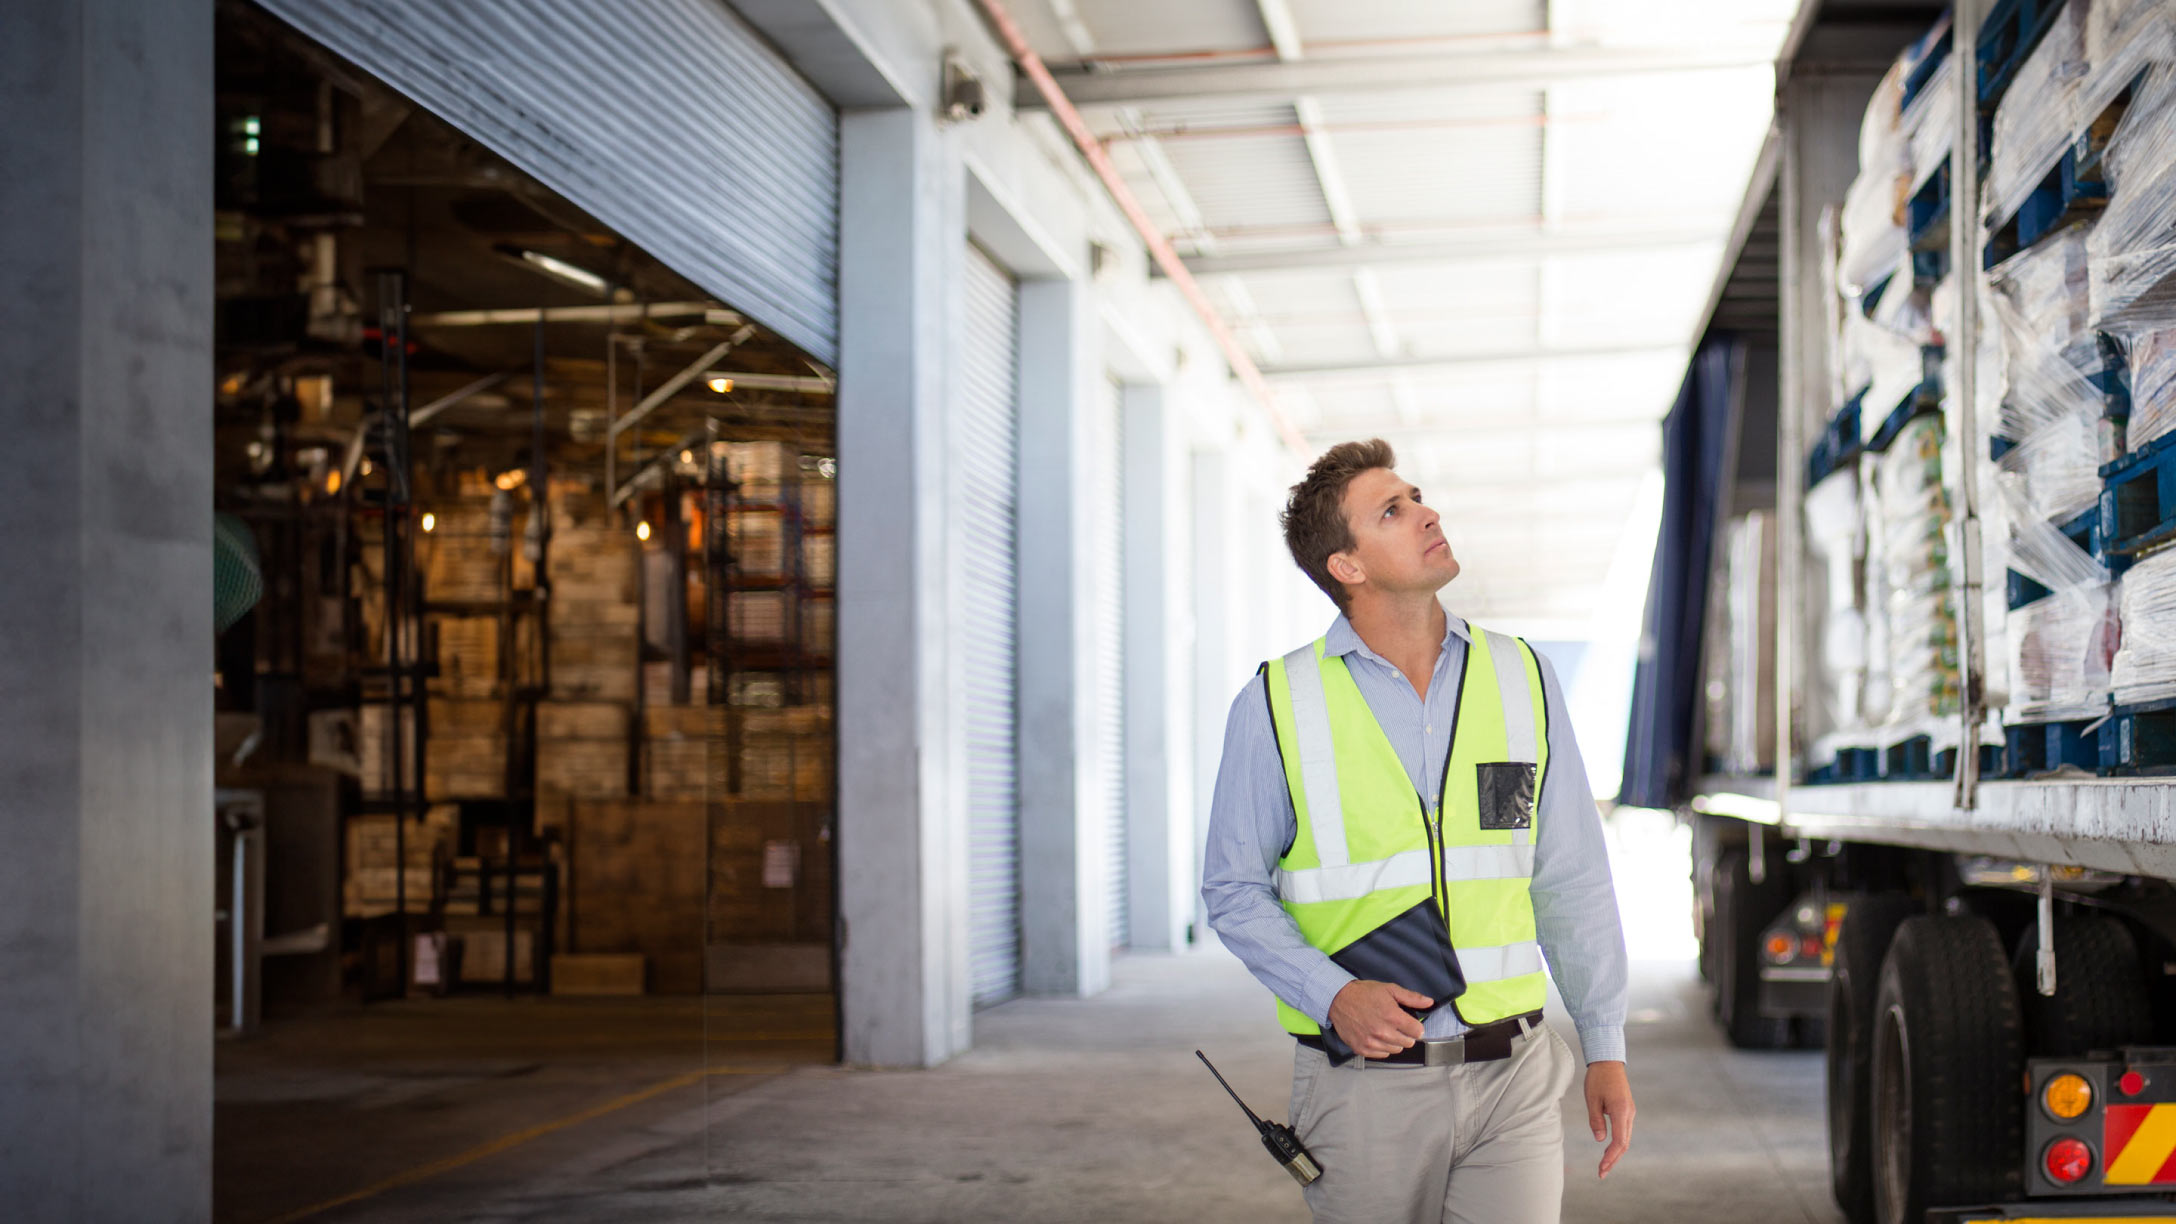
(2138, 1145)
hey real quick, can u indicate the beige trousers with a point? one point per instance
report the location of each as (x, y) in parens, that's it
(1481, 1143)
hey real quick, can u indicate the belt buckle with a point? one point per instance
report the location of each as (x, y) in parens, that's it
(1443, 1052)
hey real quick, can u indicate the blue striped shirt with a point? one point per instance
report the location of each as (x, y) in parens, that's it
(1251, 821)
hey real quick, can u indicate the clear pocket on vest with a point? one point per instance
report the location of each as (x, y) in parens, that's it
(1506, 793)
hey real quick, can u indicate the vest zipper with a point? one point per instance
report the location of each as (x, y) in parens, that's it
(1432, 824)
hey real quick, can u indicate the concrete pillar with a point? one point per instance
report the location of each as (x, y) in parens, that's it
(1063, 939)
(1217, 674)
(904, 983)
(1161, 875)
(106, 900)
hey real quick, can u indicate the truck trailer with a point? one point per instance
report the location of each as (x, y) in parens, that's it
(1909, 666)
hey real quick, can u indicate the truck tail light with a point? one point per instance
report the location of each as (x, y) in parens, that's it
(2067, 1160)
(2067, 1096)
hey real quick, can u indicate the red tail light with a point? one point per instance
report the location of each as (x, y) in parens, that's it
(2067, 1160)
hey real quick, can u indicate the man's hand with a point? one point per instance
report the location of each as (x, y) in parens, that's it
(1372, 1019)
(1609, 1097)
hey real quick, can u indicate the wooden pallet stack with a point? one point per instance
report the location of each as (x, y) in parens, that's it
(581, 749)
(636, 885)
(595, 621)
(378, 856)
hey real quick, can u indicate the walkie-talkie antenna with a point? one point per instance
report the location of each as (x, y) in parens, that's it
(1228, 1089)
(1284, 1146)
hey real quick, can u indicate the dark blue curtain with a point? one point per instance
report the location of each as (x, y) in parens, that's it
(1660, 758)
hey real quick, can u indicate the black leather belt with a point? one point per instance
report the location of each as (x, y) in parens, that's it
(1486, 1043)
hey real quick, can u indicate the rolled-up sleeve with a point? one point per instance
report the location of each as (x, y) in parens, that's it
(1575, 902)
(1251, 823)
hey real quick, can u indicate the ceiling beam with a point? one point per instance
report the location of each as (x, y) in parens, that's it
(1282, 81)
(1500, 357)
(1481, 245)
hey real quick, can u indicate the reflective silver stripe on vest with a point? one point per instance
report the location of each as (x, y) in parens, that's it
(1520, 743)
(1318, 755)
(1406, 870)
(1496, 964)
(1513, 862)
(1350, 882)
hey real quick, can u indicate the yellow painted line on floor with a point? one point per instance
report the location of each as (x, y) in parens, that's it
(516, 1139)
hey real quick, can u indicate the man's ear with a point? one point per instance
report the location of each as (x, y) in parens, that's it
(1346, 569)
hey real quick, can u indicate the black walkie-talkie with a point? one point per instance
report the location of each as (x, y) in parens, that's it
(1277, 1137)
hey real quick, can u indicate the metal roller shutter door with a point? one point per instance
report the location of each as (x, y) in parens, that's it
(671, 122)
(1107, 507)
(987, 452)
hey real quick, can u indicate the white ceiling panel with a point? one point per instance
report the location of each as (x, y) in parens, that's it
(1656, 146)
(1397, 24)
(1157, 27)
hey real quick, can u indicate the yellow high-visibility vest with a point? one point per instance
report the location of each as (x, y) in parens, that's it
(1367, 850)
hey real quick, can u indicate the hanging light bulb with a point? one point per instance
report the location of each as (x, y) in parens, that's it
(430, 522)
(642, 530)
(332, 481)
(367, 469)
(722, 386)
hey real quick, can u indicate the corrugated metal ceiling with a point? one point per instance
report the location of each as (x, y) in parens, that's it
(1542, 429)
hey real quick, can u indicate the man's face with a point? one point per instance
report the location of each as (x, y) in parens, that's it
(1398, 545)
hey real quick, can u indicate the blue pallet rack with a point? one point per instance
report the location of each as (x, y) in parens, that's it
(2138, 499)
(2141, 739)
(1840, 442)
(2008, 34)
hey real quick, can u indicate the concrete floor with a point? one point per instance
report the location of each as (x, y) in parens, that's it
(534, 1110)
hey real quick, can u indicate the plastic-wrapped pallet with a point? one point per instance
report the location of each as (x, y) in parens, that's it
(1913, 529)
(2050, 407)
(2153, 386)
(2144, 669)
(1871, 223)
(1836, 533)
(2133, 246)
(2081, 66)
(1742, 705)
(2059, 660)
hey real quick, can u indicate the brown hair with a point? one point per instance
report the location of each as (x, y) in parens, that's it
(1314, 514)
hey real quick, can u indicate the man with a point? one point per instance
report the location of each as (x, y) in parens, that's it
(1402, 829)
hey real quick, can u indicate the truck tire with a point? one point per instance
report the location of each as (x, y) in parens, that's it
(1870, 920)
(1948, 1112)
(2100, 999)
(1742, 908)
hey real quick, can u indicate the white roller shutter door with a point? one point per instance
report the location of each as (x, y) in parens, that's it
(1107, 508)
(986, 448)
(670, 121)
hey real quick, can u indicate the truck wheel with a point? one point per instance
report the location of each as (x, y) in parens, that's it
(2100, 998)
(1948, 1119)
(1742, 909)
(1870, 920)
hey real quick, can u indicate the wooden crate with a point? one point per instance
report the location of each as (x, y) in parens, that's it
(468, 656)
(758, 540)
(757, 616)
(483, 949)
(581, 720)
(751, 900)
(635, 885)
(598, 973)
(584, 769)
(819, 559)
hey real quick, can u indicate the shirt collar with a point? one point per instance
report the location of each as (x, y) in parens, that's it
(1343, 639)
